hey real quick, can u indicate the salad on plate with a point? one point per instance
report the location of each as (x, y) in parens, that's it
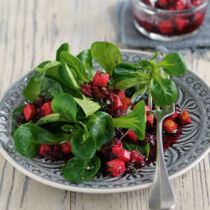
(98, 121)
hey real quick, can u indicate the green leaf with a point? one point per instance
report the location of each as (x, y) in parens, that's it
(86, 58)
(141, 89)
(83, 146)
(136, 120)
(67, 127)
(33, 89)
(55, 117)
(101, 128)
(107, 55)
(126, 76)
(50, 88)
(146, 64)
(78, 170)
(131, 82)
(41, 65)
(89, 107)
(29, 136)
(164, 91)
(68, 78)
(76, 65)
(145, 150)
(64, 47)
(173, 64)
(65, 105)
(51, 66)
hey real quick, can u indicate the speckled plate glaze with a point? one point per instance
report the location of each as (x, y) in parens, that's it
(191, 147)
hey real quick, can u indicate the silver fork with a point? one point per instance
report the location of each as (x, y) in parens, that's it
(161, 195)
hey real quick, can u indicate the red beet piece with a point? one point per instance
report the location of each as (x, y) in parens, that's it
(196, 3)
(87, 89)
(115, 101)
(147, 25)
(181, 4)
(46, 108)
(165, 27)
(132, 136)
(121, 94)
(136, 156)
(163, 3)
(150, 117)
(173, 116)
(29, 112)
(126, 103)
(185, 117)
(45, 149)
(66, 148)
(181, 23)
(100, 79)
(117, 149)
(125, 155)
(170, 126)
(198, 18)
(99, 93)
(116, 167)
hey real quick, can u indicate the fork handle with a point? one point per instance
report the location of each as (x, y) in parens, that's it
(161, 195)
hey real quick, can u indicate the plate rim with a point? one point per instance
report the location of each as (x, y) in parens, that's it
(95, 190)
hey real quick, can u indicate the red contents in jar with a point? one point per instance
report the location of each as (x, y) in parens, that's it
(171, 24)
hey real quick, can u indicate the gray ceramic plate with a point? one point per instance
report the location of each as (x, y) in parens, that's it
(192, 146)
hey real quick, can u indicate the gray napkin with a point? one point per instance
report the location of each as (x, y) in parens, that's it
(129, 36)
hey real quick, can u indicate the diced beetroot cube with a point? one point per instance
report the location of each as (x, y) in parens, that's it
(29, 112)
(121, 94)
(117, 149)
(185, 117)
(181, 23)
(100, 79)
(46, 108)
(196, 3)
(116, 167)
(147, 108)
(99, 93)
(66, 147)
(163, 3)
(147, 25)
(198, 18)
(180, 4)
(115, 101)
(125, 155)
(132, 136)
(86, 89)
(136, 156)
(165, 27)
(170, 126)
(126, 103)
(150, 117)
(45, 149)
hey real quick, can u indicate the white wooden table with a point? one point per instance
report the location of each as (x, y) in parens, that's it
(30, 32)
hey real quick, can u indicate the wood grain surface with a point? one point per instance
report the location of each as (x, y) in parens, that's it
(30, 32)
